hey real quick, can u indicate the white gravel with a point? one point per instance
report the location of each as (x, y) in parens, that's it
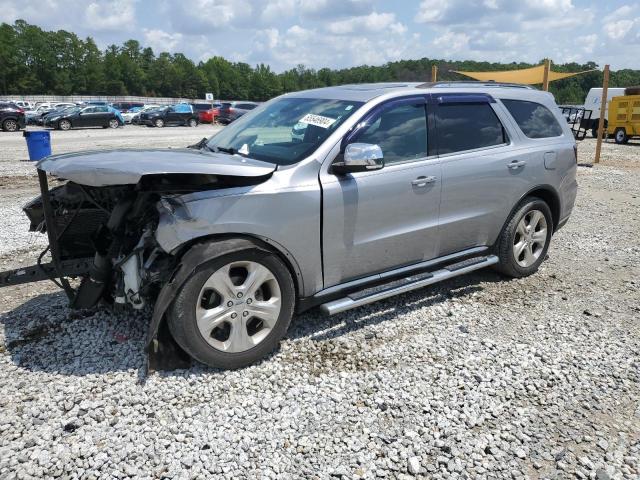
(476, 378)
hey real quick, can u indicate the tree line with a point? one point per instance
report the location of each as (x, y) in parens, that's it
(35, 61)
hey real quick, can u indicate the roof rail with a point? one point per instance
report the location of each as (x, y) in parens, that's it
(472, 83)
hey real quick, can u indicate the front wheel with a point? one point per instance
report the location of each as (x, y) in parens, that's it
(159, 123)
(524, 241)
(64, 125)
(234, 310)
(193, 122)
(10, 125)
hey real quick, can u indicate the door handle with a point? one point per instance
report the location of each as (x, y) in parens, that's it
(516, 164)
(423, 181)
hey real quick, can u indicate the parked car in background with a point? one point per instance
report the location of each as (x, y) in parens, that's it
(125, 107)
(180, 114)
(53, 112)
(135, 116)
(200, 107)
(24, 104)
(230, 111)
(84, 116)
(34, 117)
(64, 105)
(11, 117)
(209, 115)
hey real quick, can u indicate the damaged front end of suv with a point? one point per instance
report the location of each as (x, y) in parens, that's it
(101, 220)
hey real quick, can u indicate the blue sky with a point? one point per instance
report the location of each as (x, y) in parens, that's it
(343, 33)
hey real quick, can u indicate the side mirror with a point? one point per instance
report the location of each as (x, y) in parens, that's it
(359, 157)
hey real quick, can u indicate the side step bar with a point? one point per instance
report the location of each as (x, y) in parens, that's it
(406, 284)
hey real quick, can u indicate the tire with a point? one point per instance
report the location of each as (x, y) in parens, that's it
(10, 125)
(517, 236)
(620, 136)
(114, 123)
(192, 122)
(159, 123)
(240, 337)
(64, 125)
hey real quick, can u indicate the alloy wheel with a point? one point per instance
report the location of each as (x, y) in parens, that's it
(11, 125)
(159, 123)
(113, 123)
(530, 238)
(65, 125)
(238, 306)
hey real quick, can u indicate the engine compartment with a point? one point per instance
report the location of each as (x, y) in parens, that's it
(115, 225)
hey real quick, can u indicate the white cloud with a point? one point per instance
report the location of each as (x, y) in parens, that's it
(161, 41)
(432, 11)
(114, 15)
(381, 23)
(208, 16)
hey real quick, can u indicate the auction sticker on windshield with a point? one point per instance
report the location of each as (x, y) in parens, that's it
(317, 120)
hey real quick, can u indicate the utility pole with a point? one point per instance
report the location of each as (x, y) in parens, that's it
(603, 106)
(434, 73)
(545, 78)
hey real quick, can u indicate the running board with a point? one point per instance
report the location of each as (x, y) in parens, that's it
(396, 287)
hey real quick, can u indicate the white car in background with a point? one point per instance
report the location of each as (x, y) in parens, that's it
(128, 117)
(25, 105)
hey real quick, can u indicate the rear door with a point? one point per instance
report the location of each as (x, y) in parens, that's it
(483, 172)
(377, 220)
(103, 115)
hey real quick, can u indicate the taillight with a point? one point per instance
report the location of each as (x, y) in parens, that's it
(20, 110)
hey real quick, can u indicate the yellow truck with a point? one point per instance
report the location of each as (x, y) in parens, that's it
(624, 116)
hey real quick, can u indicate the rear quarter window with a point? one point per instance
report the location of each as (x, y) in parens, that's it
(535, 120)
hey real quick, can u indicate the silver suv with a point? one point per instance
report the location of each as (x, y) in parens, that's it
(335, 197)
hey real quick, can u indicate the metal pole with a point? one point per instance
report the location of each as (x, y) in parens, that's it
(52, 233)
(434, 73)
(545, 78)
(603, 105)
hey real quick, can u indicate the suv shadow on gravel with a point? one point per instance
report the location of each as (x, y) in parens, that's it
(106, 342)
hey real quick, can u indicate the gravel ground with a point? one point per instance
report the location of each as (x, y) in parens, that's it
(476, 378)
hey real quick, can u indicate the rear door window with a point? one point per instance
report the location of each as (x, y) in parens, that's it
(535, 120)
(467, 126)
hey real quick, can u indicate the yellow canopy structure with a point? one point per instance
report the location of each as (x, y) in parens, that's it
(528, 76)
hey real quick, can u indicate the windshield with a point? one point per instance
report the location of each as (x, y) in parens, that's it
(284, 131)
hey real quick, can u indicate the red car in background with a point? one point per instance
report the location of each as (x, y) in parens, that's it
(209, 116)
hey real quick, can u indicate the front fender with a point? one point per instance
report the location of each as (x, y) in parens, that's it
(288, 219)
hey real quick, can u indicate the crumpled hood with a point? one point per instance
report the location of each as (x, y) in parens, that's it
(121, 167)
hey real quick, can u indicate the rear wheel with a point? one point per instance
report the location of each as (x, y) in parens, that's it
(234, 310)
(113, 123)
(525, 239)
(193, 122)
(621, 136)
(159, 123)
(64, 125)
(10, 125)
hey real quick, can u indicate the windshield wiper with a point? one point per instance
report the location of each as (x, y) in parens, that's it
(229, 150)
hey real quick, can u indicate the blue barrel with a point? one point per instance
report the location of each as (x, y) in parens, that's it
(38, 143)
